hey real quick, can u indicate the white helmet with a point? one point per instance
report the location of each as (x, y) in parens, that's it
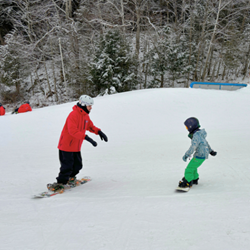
(86, 100)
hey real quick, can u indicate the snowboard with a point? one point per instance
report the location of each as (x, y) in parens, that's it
(186, 189)
(49, 193)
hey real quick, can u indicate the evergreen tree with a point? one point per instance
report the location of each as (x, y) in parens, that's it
(178, 60)
(10, 64)
(157, 57)
(113, 66)
(169, 59)
(14, 66)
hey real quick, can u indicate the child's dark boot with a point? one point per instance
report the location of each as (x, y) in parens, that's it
(184, 183)
(195, 182)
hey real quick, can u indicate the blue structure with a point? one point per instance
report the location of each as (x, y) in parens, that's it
(217, 85)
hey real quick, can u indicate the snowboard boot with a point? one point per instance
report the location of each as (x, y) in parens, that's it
(184, 183)
(195, 181)
(56, 187)
(73, 181)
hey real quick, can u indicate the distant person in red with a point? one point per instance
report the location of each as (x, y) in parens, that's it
(23, 108)
(2, 109)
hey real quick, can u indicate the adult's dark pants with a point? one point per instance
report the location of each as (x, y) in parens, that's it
(71, 164)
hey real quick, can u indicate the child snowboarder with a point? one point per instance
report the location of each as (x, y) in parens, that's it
(71, 139)
(2, 109)
(202, 149)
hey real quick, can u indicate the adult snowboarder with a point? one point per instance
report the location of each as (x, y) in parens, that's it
(71, 139)
(200, 148)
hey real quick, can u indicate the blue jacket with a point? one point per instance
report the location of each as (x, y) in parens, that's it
(199, 145)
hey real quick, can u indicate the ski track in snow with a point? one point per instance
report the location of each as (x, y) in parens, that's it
(131, 203)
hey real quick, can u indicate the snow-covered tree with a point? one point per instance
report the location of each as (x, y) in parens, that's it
(14, 65)
(169, 59)
(113, 66)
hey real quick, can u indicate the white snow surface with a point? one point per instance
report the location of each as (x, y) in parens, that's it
(131, 203)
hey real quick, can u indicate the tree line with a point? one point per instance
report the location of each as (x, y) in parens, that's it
(59, 49)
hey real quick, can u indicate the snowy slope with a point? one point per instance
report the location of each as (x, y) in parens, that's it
(131, 203)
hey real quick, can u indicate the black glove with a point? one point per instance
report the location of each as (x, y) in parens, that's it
(90, 140)
(103, 136)
(213, 153)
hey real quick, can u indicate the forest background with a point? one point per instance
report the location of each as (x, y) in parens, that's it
(52, 51)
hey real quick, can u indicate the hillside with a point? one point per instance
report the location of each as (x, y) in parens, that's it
(131, 203)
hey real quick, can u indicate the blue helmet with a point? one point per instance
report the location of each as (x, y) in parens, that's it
(192, 124)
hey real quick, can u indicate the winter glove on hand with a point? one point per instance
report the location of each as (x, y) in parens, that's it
(213, 153)
(184, 158)
(90, 140)
(103, 136)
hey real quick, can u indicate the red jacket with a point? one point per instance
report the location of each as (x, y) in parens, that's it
(24, 108)
(73, 132)
(2, 110)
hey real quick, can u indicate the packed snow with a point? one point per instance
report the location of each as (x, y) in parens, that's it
(131, 203)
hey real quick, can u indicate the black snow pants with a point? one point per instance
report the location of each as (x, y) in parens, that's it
(71, 164)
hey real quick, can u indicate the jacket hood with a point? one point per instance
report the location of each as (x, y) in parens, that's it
(202, 132)
(79, 110)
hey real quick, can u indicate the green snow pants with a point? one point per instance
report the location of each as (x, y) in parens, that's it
(191, 172)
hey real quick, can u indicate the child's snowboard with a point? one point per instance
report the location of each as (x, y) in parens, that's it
(182, 189)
